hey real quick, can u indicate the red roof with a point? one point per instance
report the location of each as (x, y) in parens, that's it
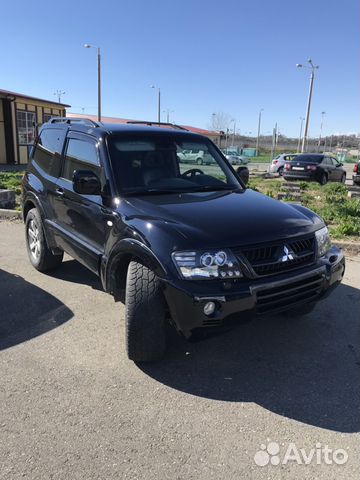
(200, 131)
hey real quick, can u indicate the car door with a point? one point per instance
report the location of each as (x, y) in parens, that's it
(328, 167)
(81, 220)
(338, 171)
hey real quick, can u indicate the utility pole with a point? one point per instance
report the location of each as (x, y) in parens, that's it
(321, 127)
(300, 134)
(273, 142)
(258, 132)
(307, 117)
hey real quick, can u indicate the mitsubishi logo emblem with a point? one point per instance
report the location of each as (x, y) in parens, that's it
(286, 255)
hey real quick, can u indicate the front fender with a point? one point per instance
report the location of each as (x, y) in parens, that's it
(113, 268)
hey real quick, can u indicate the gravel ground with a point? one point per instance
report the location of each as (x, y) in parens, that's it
(73, 407)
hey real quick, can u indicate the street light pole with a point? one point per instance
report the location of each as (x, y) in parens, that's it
(233, 139)
(158, 103)
(300, 134)
(321, 127)
(312, 75)
(87, 45)
(59, 94)
(258, 133)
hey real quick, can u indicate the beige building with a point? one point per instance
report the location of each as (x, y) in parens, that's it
(20, 118)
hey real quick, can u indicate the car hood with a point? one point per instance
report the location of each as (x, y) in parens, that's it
(229, 218)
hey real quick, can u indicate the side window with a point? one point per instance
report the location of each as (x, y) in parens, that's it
(47, 151)
(80, 155)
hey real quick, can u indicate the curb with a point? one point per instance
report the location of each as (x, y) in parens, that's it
(349, 247)
(6, 214)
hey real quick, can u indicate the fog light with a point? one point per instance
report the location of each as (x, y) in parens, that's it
(209, 308)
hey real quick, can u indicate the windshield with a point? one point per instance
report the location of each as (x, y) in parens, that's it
(168, 163)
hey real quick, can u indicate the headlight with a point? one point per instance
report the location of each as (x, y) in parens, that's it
(207, 265)
(323, 241)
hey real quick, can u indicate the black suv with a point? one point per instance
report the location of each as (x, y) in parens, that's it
(191, 247)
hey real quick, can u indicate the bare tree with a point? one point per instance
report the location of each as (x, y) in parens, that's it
(220, 121)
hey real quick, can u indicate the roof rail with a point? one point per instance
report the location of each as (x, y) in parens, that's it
(144, 122)
(85, 121)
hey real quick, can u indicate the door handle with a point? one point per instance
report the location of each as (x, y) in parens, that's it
(59, 191)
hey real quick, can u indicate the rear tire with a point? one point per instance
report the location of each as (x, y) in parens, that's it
(199, 161)
(280, 171)
(323, 179)
(40, 256)
(145, 315)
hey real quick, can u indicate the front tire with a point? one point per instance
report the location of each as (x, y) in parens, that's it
(145, 315)
(199, 161)
(40, 256)
(343, 178)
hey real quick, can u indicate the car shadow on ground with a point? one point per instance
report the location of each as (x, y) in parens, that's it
(27, 311)
(306, 369)
(73, 271)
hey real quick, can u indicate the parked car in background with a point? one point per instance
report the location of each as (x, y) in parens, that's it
(356, 174)
(278, 163)
(195, 156)
(315, 167)
(237, 159)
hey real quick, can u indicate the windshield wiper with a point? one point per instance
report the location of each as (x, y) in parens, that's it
(200, 188)
(152, 191)
(212, 188)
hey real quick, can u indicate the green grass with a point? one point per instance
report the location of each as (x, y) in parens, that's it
(331, 202)
(340, 213)
(261, 159)
(12, 181)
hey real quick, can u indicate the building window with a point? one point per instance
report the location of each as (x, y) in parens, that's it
(47, 116)
(26, 127)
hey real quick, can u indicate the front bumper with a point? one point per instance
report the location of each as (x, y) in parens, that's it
(186, 299)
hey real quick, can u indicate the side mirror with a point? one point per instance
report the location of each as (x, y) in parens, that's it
(86, 182)
(243, 173)
(339, 164)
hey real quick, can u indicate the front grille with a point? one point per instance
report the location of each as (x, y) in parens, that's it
(268, 259)
(289, 295)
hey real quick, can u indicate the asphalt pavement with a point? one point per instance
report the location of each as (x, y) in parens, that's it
(237, 406)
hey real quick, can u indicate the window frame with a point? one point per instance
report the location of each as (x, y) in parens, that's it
(33, 126)
(84, 138)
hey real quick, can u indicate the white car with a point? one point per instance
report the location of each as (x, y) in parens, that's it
(277, 165)
(195, 156)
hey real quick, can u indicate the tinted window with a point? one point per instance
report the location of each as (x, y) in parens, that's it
(48, 150)
(309, 158)
(80, 155)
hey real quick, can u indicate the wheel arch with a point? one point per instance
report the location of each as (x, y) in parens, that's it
(115, 270)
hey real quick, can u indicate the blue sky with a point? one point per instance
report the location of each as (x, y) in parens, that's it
(207, 56)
